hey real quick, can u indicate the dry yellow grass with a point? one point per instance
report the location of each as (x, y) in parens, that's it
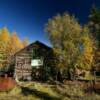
(41, 91)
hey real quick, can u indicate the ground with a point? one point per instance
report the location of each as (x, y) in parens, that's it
(44, 91)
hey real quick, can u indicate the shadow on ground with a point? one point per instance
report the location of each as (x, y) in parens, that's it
(45, 96)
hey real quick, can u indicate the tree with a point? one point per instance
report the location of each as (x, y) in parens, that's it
(4, 36)
(94, 23)
(70, 41)
(94, 26)
(16, 43)
(9, 45)
(86, 55)
(97, 60)
(4, 47)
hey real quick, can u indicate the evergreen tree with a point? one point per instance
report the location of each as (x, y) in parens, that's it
(94, 23)
(94, 26)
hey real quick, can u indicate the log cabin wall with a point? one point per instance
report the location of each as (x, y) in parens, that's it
(23, 68)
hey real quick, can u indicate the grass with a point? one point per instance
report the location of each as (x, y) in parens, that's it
(90, 77)
(43, 91)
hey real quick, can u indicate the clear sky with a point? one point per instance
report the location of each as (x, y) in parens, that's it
(28, 17)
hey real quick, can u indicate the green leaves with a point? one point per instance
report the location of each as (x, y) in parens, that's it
(94, 23)
(71, 41)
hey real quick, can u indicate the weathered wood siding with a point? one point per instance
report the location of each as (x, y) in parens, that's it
(23, 68)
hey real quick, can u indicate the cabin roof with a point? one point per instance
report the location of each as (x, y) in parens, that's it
(37, 43)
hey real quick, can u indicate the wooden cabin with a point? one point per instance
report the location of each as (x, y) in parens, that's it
(30, 61)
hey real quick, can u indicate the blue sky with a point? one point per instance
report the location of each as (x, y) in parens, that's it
(28, 17)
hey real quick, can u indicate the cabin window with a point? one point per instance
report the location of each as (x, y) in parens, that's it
(36, 58)
(35, 53)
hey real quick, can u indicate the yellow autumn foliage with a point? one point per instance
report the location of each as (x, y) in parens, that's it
(71, 41)
(9, 45)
